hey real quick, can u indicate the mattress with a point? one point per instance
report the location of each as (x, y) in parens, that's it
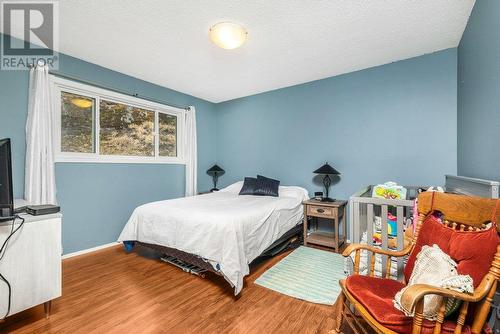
(224, 228)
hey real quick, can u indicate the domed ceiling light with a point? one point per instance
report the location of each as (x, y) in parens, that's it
(228, 35)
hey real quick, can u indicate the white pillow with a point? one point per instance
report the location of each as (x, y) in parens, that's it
(294, 192)
(233, 188)
(435, 267)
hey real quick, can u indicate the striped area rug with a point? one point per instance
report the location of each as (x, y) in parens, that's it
(307, 273)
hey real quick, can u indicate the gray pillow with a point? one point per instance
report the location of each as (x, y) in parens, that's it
(248, 186)
(266, 186)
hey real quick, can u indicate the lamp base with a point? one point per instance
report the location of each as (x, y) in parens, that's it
(327, 199)
(213, 189)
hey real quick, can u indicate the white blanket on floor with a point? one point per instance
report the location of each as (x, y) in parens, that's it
(222, 227)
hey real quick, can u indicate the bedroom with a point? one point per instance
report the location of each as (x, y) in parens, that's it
(145, 97)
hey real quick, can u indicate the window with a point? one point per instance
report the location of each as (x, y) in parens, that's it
(168, 135)
(97, 125)
(126, 130)
(77, 123)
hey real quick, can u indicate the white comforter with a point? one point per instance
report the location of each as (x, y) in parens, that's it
(226, 229)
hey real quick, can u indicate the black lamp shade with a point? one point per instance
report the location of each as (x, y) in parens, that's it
(327, 170)
(215, 169)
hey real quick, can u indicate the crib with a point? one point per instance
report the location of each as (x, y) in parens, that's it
(362, 211)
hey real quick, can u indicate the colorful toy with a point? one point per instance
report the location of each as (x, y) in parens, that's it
(391, 242)
(392, 225)
(389, 190)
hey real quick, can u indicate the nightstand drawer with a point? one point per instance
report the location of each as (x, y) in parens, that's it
(321, 211)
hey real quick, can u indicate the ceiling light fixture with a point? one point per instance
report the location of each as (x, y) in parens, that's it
(228, 35)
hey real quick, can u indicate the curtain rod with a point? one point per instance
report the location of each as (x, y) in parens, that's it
(95, 84)
(66, 76)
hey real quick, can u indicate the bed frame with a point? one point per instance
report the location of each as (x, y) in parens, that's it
(196, 265)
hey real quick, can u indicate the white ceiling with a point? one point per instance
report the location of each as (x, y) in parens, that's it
(289, 41)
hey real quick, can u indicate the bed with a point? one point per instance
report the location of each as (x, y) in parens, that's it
(223, 231)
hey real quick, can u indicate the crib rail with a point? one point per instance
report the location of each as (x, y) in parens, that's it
(362, 210)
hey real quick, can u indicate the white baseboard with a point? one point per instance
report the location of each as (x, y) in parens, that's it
(89, 250)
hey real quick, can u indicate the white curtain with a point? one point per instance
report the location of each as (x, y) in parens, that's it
(191, 152)
(40, 184)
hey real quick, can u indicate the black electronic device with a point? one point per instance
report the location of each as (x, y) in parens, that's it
(6, 196)
(318, 195)
(39, 210)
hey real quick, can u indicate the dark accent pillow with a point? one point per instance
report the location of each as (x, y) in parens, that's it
(248, 186)
(266, 186)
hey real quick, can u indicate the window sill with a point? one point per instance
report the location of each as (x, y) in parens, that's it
(111, 159)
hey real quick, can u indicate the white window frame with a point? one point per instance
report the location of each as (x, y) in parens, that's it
(96, 93)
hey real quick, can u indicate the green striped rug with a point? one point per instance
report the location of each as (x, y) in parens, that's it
(307, 273)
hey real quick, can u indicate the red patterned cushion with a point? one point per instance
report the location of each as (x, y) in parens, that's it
(473, 251)
(377, 294)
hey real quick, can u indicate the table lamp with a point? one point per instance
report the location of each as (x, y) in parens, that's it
(327, 170)
(215, 171)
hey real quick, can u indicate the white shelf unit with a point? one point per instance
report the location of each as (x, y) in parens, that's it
(32, 263)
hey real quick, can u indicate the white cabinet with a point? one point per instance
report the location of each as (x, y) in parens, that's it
(32, 263)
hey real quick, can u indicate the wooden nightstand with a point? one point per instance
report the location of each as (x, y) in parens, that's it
(334, 211)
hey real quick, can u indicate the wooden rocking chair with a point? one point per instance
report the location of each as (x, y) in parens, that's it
(462, 231)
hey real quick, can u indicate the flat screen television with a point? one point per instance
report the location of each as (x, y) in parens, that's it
(6, 197)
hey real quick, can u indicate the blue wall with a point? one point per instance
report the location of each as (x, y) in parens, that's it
(97, 199)
(395, 122)
(479, 93)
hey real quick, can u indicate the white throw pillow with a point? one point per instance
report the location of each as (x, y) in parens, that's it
(293, 192)
(435, 267)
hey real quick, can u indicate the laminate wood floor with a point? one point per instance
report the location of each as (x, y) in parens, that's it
(110, 291)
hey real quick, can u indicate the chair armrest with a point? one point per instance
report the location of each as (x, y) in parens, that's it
(354, 247)
(413, 294)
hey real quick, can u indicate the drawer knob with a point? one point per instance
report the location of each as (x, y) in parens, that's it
(320, 210)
